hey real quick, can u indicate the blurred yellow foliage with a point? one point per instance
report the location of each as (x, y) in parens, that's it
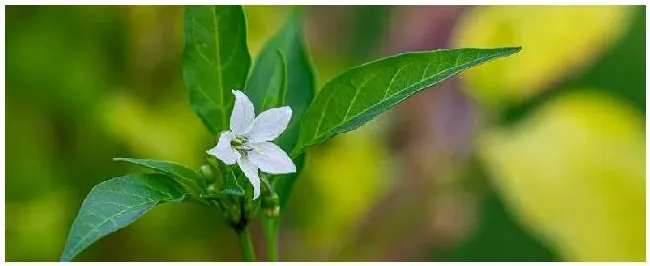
(169, 133)
(263, 22)
(347, 174)
(575, 172)
(40, 224)
(556, 41)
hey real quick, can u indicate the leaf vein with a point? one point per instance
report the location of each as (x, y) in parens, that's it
(228, 61)
(425, 70)
(390, 84)
(218, 65)
(196, 47)
(94, 229)
(356, 93)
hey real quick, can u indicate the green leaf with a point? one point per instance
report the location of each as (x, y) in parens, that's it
(283, 184)
(277, 86)
(229, 183)
(360, 93)
(300, 77)
(116, 203)
(215, 60)
(181, 174)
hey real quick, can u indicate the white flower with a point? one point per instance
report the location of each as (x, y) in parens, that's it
(248, 142)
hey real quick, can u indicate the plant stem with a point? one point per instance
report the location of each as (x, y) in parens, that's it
(271, 231)
(245, 244)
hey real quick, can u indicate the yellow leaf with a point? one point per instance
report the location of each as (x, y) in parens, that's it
(556, 41)
(171, 133)
(574, 171)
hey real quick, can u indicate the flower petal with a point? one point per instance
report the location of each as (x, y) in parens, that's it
(250, 170)
(223, 151)
(243, 114)
(270, 124)
(270, 158)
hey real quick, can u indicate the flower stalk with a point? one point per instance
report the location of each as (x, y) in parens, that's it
(271, 234)
(246, 244)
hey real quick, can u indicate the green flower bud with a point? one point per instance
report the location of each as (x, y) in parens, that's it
(211, 189)
(272, 212)
(270, 201)
(206, 172)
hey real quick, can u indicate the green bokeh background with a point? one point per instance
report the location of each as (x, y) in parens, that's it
(85, 84)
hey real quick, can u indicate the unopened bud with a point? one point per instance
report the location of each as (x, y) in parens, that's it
(206, 172)
(272, 212)
(270, 201)
(211, 189)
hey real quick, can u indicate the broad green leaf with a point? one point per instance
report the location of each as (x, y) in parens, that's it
(116, 203)
(269, 85)
(300, 77)
(360, 93)
(215, 60)
(183, 175)
(278, 85)
(283, 184)
(574, 172)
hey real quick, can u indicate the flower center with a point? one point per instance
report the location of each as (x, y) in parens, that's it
(240, 143)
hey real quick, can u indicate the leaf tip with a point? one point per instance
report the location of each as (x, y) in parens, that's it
(514, 49)
(507, 50)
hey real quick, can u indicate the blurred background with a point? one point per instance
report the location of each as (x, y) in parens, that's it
(536, 157)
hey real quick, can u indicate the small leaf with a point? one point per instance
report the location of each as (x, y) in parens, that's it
(229, 183)
(183, 175)
(300, 77)
(116, 203)
(215, 60)
(360, 93)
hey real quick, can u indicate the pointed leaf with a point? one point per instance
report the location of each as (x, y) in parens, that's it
(300, 77)
(215, 60)
(116, 203)
(183, 175)
(361, 93)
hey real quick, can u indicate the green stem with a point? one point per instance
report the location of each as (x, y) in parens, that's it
(245, 244)
(271, 230)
